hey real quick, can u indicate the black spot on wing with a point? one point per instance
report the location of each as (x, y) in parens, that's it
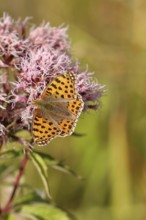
(54, 86)
(37, 124)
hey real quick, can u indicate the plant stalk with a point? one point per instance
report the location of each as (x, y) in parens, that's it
(8, 205)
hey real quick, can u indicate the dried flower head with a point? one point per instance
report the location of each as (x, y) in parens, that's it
(28, 62)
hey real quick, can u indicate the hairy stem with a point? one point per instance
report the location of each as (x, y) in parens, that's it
(16, 184)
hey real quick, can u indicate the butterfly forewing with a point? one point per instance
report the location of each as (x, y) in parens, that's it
(62, 87)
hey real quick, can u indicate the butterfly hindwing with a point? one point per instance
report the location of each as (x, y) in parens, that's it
(75, 107)
(43, 129)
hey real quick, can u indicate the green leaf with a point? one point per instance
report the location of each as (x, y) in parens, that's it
(9, 217)
(28, 216)
(3, 167)
(66, 169)
(24, 134)
(17, 216)
(6, 169)
(7, 164)
(41, 167)
(10, 154)
(58, 165)
(29, 198)
(45, 212)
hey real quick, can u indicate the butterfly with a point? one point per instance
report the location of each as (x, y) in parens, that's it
(57, 109)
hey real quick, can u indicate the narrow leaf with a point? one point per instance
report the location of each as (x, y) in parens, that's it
(29, 198)
(10, 154)
(9, 217)
(58, 165)
(41, 167)
(46, 212)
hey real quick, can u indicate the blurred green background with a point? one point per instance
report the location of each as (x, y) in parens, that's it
(109, 36)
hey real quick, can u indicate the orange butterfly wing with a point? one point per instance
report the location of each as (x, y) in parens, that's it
(63, 89)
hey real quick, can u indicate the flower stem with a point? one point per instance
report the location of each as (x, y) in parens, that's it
(16, 184)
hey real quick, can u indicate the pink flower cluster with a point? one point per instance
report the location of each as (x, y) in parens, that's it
(30, 57)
